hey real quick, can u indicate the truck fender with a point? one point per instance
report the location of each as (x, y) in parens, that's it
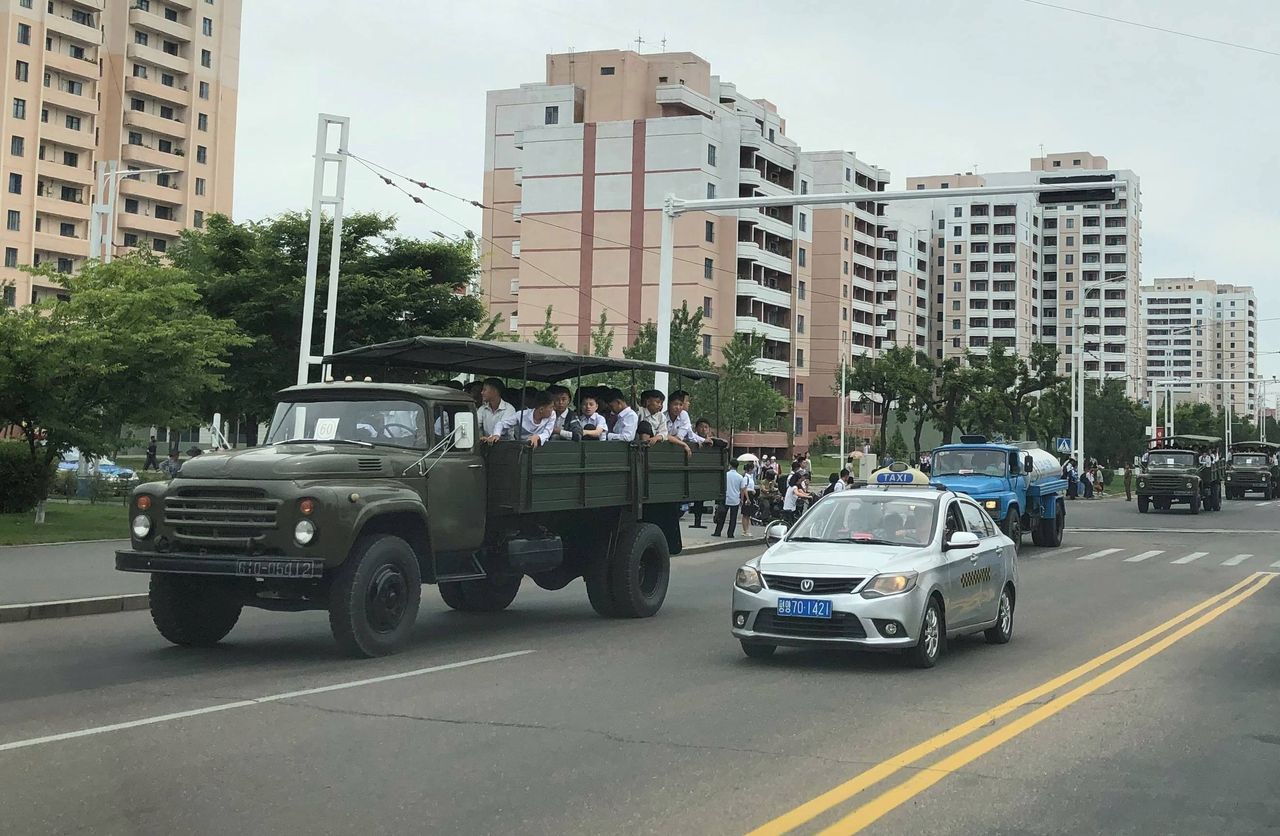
(404, 516)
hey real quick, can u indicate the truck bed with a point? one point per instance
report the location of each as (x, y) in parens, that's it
(566, 475)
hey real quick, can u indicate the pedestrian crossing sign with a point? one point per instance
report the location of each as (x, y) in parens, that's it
(1062, 445)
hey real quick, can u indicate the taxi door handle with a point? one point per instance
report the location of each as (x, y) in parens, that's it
(973, 558)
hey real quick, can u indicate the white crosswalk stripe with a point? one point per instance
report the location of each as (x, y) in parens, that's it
(1096, 555)
(1237, 560)
(1138, 558)
(1191, 557)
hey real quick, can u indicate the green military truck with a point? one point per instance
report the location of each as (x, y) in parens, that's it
(1172, 473)
(366, 490)
(1252, 468)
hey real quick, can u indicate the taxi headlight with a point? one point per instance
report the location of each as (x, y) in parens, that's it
(892, 584)
(748, 579)
(991, 505)
(141, 526)
(304, 532)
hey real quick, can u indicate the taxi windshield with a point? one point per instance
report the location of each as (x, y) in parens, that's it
(1173, 458)
(869, 517)
(1249, 460)
(389, 423)
(968, 462)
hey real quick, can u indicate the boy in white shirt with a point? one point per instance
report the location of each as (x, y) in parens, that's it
(624, 428)
(493, 409)
(532, 423)
(652, 400)
(678, 418)
(594, 426)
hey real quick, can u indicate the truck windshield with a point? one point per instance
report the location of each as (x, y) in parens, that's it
(968, 462)
(869, 518)
(391, 423)
(1173, 458)
(1249, 460)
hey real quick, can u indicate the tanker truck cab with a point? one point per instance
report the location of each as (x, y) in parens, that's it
(1018, 484)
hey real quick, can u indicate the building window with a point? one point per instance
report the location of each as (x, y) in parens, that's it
(64, 265)
(130, 239)
(706, 345)
(131, 205)
(20, 108)
(164, 213)
(10, 296)
(73, 122)
(140, 38)
(70, 158)
(170, 48)
(202, 122)
(799, 425)
(22, 70)
(771, 135)
(197, 219)
(804, 222)
(67, 230)
(706, 306)
(204, 89)
(71, 194)
(135, 138)
(17, 146)
(708, 268)
(165, 145)
(145, 5)
(551, 115)
(10, 256)
(139, 71)
(848, 174)
(606, 70)
(206, 58)
(139, 105)
(846, 244)
(958, 212)
(15, 220)
(804, 189)
(24, 33)
(202, 154)
(171, 14)
(159, 245)
(200, 186)
(26, 4)
(206, 28)
(800, 289)
(799, 393)
(710, 232)
(800, 358)
(800, 324)
(801, 257)
(166, 79)
(711, 191)
(166, 112)
(15, 183)
(711, 155)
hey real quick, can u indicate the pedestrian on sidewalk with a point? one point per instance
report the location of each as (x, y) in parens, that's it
(151, 463)
(1128, 481)
(748, 497)
(728, 510)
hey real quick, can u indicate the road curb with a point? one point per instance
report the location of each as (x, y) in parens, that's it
(62, 543)
(703, 548)
(12, 613)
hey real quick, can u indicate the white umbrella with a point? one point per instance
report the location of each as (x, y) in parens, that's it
(748, 457)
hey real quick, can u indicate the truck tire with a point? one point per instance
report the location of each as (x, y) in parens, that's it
(640, 570)
(373, 602)
(1012, 527)
(481, 595)
(1143, 502)
(193, 611)
(1195, 504)
(1049, 530)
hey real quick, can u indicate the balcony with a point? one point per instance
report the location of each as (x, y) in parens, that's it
(86, 104)
(859, 235)
(157, 23)
(159, 57)
(886, 264)
(777, 226)
(680, 99)
(65, 173)
(773, 368)
(66, 136)
(156, 124)
(149, 157)
(150, 190)
(148, 224)
(54, 243)
(182, 4)
(86, 68)
(754, 252)
(53, 205)
(768, 295)
(178, 94)
(751, 325)
(76, 31)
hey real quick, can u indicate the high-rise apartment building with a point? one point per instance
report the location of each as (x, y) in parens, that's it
(149, 83)
(1010, 271)
(576, 170)
(1200, 329)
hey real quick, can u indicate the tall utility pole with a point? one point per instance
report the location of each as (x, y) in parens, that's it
(325, 161)
(844, 407)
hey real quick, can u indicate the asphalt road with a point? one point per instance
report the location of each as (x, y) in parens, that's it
(662, 725)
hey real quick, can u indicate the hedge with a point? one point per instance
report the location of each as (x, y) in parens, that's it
(22, 482)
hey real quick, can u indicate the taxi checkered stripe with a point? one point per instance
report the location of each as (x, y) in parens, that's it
(975, 576)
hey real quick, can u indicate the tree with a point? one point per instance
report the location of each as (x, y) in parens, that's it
(957, 380)
(489, 329)
(132, 346)
(747, 401)
(898, 446)
(602, 337)
(893, 379)
(1050, 416)
(923, 398)
(1116, 426)
(685, 347)
(253, 273)
(548, 335)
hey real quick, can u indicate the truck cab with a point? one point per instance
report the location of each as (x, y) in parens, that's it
(1252, 467)
(1018, 484)
(1182, 469)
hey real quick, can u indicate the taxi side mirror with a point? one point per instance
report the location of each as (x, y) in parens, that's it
(774, 532)
(962, 540)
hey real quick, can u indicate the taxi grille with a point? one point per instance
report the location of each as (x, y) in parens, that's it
(821, 586)
(230, 519)
(841, 625)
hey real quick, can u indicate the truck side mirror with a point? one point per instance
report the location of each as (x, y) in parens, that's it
(1028, 464)
(464, 430)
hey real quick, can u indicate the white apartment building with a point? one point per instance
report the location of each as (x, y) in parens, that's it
(1200, 329)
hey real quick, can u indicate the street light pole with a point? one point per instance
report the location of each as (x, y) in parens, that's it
(102, 217)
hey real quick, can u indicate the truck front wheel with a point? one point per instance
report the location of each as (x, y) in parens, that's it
(1013, 527)
(192, 611)
(1143, 503)
(640, 570)
(483, 595)
(373, 602)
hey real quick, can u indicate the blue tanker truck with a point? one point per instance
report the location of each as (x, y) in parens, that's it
(1019, 484)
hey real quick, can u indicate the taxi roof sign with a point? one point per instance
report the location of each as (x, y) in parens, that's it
(899, 474)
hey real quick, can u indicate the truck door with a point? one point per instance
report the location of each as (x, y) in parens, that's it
(456, 492)
(977, 575)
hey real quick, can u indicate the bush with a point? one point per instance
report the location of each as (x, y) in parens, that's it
(23, 483)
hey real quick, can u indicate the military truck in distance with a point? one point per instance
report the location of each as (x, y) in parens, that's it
(1252, 467)
(365, 491)
(1172, 473)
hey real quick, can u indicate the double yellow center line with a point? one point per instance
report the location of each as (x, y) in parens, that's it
(1194, 618)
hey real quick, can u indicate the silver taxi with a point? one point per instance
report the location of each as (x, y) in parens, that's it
(897, 565)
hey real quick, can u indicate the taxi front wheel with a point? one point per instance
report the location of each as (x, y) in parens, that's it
(932, 634)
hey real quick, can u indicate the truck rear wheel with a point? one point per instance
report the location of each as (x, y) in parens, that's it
(640, 570)
(373, 602)
(1048, 532)
(193, 611)
(482, 595)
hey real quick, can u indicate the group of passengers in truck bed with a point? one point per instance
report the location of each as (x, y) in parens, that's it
(602, 414)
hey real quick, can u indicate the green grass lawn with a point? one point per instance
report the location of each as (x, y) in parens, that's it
(64, 522)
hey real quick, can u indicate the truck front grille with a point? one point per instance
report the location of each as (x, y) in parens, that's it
(1167, 483)
(230, 519)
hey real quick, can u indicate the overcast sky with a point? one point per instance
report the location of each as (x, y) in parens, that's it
(920, 87)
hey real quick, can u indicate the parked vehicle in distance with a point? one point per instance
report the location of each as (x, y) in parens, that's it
(1173, 473)
(1252, 468)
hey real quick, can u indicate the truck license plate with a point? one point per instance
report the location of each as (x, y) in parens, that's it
(804, 607)
(301, 569)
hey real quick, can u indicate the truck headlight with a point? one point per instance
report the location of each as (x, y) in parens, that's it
(141, 526)
(304, 532)
(991, 505)
(748, 579)
(1142, 483)
(892, 584)
(1188, 483)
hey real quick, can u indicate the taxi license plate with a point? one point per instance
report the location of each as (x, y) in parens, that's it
(804, 607)
(301, 569)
